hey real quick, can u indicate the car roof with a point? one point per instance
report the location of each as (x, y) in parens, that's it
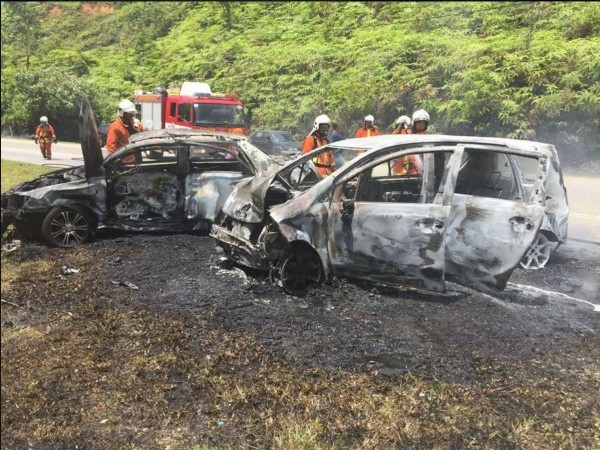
(271, 131)
(435, 139)
(170, 137)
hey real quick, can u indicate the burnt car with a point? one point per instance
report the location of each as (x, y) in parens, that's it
(276, 142)
(164, 180)
(402, 210)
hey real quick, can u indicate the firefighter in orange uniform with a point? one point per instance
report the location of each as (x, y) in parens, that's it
(368, 128)
(403, 125)
(121, 128)
(45, 136)
(412, 164)
(318, 138)
(420, 122)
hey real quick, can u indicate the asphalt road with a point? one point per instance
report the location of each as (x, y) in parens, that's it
(25, 150)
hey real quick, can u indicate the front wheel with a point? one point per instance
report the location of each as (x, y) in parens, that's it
(539, 253)
(300, 271)
(67, 226)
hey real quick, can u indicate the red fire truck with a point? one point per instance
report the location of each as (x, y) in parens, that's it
(193, 106)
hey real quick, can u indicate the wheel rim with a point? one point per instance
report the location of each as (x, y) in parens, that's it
(539, 253)
(300, 272)
(69, 228)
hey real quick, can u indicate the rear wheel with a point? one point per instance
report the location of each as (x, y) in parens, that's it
(539, 253)
(67, 226)
(300, 271)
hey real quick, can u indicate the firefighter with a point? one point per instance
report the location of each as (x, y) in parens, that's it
(412, 164)
(45, 136)
(121, 128)
(368, 128)
(420, 122)
(317, 138)
(403, 125)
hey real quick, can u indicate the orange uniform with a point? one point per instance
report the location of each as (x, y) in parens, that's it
(403, 131)
(367, 132)
(409, 164)
(44, 133)
(324, 163)
(118, 136)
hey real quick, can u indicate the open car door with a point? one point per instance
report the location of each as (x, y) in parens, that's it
(492, 222)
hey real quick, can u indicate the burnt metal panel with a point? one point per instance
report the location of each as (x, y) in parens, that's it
(206, 192)
(90, 141)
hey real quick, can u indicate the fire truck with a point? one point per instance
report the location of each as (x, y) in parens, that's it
(193, 106)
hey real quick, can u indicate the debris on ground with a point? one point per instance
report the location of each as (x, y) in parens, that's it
(11, 246)
(126, 284)
(64, 270)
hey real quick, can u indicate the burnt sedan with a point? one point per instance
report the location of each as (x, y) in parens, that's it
(402, 210)
(164, 180)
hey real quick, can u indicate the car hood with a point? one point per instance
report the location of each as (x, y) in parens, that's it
(247, 201)
(90, 141)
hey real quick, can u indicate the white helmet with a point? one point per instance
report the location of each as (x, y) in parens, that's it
(126, 106)
(369, 118)
(322, 124)
(404, 121)
(43, 119)
(420, 115)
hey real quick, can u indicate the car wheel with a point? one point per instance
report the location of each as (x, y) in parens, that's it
(300, 271)
(539, 253)
(67, 226)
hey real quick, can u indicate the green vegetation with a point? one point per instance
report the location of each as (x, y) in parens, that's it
(17, 172)
(526, 70)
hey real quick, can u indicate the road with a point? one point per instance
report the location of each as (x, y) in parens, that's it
(25, 150)
(583, 192)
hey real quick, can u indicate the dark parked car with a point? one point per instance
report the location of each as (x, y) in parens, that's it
(171, 180)
(103, 133)
(275, 142)
(402, 210)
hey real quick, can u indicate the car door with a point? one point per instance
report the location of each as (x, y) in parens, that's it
(145, 189)
(391, 228)
(492, 222)
(214, 172)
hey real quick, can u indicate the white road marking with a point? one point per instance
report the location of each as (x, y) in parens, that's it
(559, 294)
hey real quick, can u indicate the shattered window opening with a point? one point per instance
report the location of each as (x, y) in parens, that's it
(491, 174)
(385, 183)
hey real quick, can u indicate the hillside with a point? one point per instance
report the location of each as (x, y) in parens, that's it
(512, 69)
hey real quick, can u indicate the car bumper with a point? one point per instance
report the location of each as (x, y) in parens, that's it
(239, 249)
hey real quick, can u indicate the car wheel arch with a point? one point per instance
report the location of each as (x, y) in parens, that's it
(300, 268)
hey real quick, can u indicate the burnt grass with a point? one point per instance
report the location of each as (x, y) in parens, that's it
(158, 343)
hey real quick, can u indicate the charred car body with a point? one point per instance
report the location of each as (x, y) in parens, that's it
(164, 180)
(473, 209)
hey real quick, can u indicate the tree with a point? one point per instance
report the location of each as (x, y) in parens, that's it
(21, 28)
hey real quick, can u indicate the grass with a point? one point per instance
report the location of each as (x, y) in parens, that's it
(16, 172)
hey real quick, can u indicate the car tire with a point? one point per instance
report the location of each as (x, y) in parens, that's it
(539, 253)
(300, 271)
(67, 226)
